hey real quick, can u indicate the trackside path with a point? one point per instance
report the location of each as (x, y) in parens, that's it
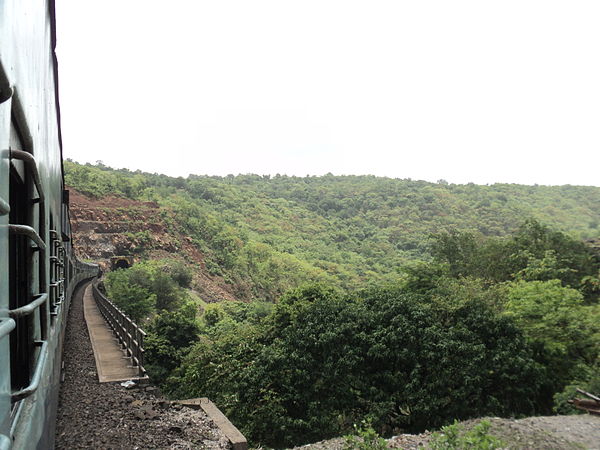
(111, 363)
(105, 415)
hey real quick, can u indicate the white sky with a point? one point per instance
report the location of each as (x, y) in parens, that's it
(468, 91)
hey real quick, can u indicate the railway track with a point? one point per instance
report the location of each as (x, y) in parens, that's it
(105, 415)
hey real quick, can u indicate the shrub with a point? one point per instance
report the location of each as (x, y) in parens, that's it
(455, 437)
(364, 438)
(321, 361)
(556, 320)
(134, 299)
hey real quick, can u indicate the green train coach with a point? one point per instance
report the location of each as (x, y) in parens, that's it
(38, 270)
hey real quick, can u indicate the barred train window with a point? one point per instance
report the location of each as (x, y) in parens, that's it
(20, 271)
(27, 267)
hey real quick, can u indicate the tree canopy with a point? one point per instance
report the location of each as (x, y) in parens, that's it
(407, 303)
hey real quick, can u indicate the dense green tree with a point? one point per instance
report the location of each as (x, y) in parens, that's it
(170, 334)
(551, 254)
(180, 273)
(145, 288)
(322, 361)
(556, 320)
(168, 294)
(351, 230)
(534, 253)
(134, 299)
(433, 301)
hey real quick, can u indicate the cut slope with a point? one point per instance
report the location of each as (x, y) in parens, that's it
(115, 226)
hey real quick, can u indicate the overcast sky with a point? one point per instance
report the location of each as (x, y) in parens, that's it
(467, 91)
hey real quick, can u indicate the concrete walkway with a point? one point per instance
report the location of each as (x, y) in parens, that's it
(112, 363)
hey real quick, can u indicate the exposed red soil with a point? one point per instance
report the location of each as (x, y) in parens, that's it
(116, 226)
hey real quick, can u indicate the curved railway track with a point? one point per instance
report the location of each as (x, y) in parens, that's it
(105, 415)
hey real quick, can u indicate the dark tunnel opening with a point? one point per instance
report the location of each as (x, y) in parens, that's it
(121, 264)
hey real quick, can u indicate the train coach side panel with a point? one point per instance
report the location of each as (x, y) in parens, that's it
(27, 58)
(29, 121)
(5, 322)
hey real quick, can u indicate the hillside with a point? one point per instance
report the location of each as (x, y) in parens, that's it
(112, 226)
(263, 234)
(353, 289)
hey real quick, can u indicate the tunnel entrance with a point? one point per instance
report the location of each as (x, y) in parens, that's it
(121, 262)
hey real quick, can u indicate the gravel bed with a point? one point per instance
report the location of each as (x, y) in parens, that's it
(545, 432)
(549, 432)
(95, 415)
(581, 430)
(107, 416)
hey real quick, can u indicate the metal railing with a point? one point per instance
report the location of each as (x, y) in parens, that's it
(130, 335)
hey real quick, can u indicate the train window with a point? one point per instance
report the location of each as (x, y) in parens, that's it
(27, 267)
(20, 276)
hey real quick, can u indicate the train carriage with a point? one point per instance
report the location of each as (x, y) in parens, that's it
(38, 270)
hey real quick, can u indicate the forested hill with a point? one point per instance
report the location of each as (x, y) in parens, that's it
(345, 229)
(353, 288)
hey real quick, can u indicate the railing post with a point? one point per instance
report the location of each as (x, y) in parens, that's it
(129, 334)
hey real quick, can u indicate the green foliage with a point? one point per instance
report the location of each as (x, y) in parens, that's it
(168, 293)
(588, 379)
(99, 181)
(139, 240)
(364, 438)
(534, 253)
(152, 292)
(482, 364)
(225, 317)
(181, 273)
(178, 327)
(268, 234)
(590, 288)
(160, 358)
(146, 288)
(461, 251)
(464, 312)
(135, 299)
(455, 437)
(553, 254)
(321, 361)
(555, 320)
(170, 335)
